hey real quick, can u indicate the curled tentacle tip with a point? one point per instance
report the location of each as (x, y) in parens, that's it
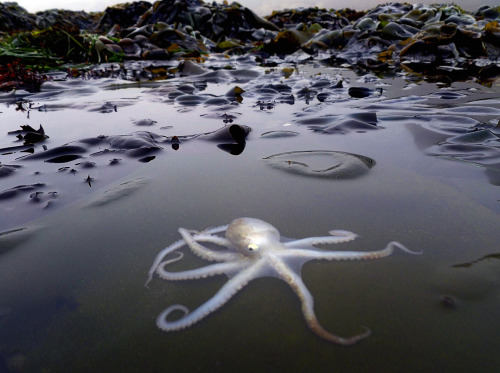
(165, 325)
(368, 331)
(360, 337)
(164, 263)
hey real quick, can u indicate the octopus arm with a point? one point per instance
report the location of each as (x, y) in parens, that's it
(218, 300)
(161, 255)
(344, 255)
(215, 230)
(210, 270)
(337, 236)
(202, 236)
(307, 305)
(204, 252)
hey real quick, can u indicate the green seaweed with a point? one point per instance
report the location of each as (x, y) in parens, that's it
(52, 47)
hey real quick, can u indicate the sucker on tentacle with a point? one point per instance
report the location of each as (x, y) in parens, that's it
(253, 249)
(202, 236)
(204, 252)
(217, 301)
(337, 236)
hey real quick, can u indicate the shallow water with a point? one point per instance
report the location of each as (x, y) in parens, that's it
(72, 271)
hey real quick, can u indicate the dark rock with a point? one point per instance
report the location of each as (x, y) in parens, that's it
(65, 19)
(125, 15)
(14, 17)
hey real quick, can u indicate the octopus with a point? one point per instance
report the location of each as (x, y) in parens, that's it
(252, 248)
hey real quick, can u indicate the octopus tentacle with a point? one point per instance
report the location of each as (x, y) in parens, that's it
(346, 255)
(219, 299)
(213, 230)
(337, 236)
(211, 270)
(204, 252)
(161, 255)
(202, 236)
(221, 241)
(307, 305)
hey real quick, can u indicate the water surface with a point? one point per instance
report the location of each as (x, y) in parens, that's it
(73, 260)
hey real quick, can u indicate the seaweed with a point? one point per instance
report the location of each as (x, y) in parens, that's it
(54, 46)
(16, 75)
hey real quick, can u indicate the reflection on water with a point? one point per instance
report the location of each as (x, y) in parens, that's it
(81, 221)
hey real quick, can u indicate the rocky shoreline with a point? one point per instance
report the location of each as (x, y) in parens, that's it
(432, 40)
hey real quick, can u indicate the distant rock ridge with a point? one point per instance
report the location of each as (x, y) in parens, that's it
(387, 35)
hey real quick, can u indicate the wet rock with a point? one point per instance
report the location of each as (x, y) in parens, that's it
(476, 137)
(6, 170)
(394, 31)
(324, 40)
(489, 13)
(125, 15)
(326, 19)
(64, 150)
(14, 17)
(130, 48)
(189, 67)
(423, 38)
(217, 101)
(349, 125)
(135, 141)
(234, 133)
(65, 19)
(86, 164)
(15, 191)
(133, 32)
(114, 48)
(190, 100)
(361, 92)
(63, 158)
(156, 54)
(289, 41)
(145, 122)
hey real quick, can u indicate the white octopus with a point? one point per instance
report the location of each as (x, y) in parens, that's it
(253, 249)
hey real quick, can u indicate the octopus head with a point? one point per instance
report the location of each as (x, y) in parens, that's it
(250, 236)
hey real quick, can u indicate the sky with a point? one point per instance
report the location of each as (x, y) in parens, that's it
(261, 7)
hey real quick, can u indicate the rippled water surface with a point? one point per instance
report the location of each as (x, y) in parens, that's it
(84, 212)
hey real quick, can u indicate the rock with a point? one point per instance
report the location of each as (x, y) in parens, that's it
(125, 15)
(382, 38)
(66, 19)
(14, 17)
(156, 54)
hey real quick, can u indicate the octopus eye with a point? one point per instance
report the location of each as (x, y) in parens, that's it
(253, 247)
